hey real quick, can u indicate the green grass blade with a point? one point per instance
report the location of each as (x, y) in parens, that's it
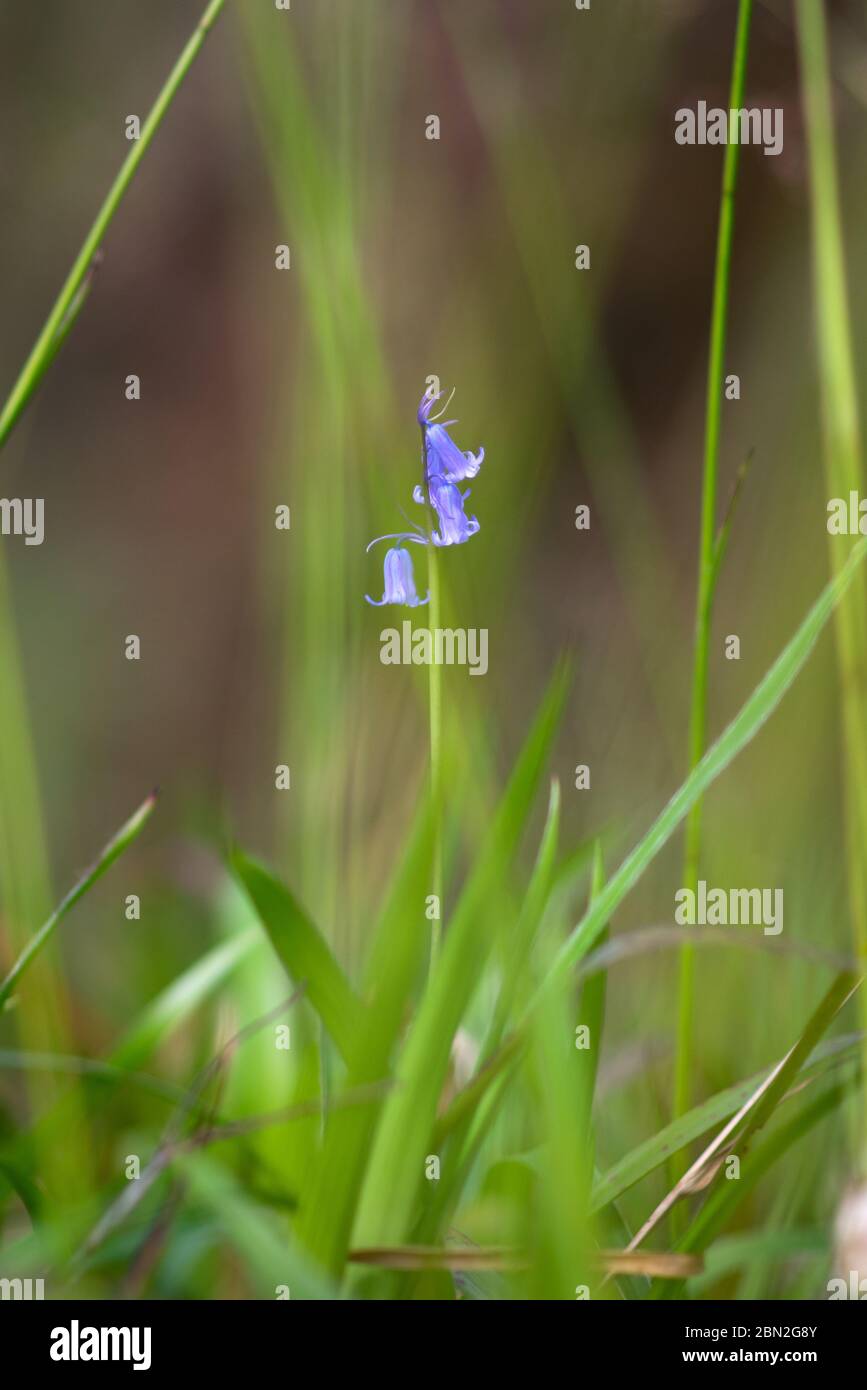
(395, 962)
(744, 727)
(68, 301)
(181, 998)
(519, 944)
(558, 1234)
(592, 1008)
(303, 952)
(65, 1064)
(113, 850)
(396, 1167)
(708, 555)
(274, 1259)
(468, 1118)
(842, 454)
(727, 1197)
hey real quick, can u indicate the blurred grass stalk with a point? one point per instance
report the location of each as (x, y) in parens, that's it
(312, 158)
(27, 896)
(311, 171)
(842, 459)
(708, 569)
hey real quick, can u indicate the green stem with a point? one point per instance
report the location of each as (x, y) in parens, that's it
(68, 301)
(435, 712)
(436, 716)
(707, 545)
(842, 455)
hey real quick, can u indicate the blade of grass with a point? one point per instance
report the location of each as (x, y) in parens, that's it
(842, 454)
(274, 1258)
(396, 1166)
(755, 1248)
(723, 1201)
(564, 1076)
(727, 1197)
(591, 1012)
(396, 956)
(69, 300)
(657, 1150)
(471, 1114)
(707, 563)
(171, 1007)
(746, 724)
(66, 1065)
(181, 998)
(22, 842)
(497, 1060)
(411, 1257)
(519, 943)
(761, 1105)
(113, 850)
(304, 953)
(559, 1237)
(43, 1015)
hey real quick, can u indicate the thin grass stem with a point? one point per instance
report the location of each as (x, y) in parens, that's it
(69, 300)
(707, 571)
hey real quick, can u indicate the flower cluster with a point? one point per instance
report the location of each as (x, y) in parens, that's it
(444, 467)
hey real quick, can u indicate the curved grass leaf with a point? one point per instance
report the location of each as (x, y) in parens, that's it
(396, 956)
(303, 952)
(180, 998)
(396, 1166)
(113, 850)
(744, 727)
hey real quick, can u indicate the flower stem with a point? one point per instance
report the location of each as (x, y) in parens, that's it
(436, 788)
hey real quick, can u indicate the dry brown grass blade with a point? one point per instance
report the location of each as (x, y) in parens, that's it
(761, 1103)
(438, 1257)
(658, 1264)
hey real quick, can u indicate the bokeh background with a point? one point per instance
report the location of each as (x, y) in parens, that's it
(412, 257)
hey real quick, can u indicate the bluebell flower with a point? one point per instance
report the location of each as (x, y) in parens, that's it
(444, 467)
(443, 458)
(448, 503)
(399, 578)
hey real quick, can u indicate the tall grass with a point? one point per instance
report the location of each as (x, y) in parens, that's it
(325, 1095)
(707, 569)
(842, 460)
(27, 892)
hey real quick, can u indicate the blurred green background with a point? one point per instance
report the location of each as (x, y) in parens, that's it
(412, 257)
